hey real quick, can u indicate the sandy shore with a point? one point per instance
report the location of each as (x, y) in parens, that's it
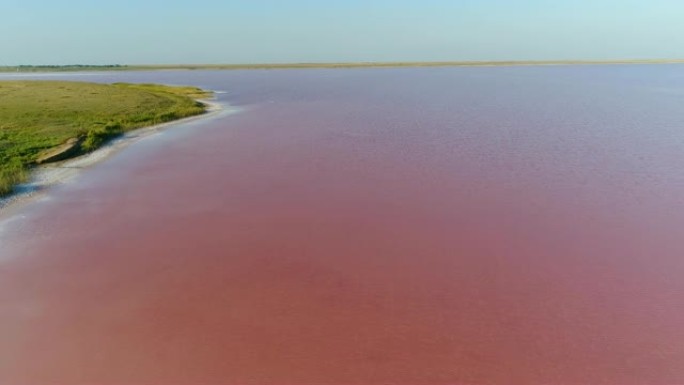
(45, 176)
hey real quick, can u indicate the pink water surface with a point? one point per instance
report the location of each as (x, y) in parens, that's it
(484, 226)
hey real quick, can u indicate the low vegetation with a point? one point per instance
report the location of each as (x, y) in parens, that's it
(118, 67)
(39, 116)
(62, 68)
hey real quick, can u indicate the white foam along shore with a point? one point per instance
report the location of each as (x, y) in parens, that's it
(48, 175)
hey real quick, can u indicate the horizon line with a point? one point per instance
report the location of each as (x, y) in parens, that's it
(361, 64)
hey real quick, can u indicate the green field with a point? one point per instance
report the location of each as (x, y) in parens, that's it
(38, 116)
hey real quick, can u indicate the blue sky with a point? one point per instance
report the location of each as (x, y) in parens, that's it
(269, 31)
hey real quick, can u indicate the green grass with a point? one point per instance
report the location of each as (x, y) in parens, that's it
(36, 116)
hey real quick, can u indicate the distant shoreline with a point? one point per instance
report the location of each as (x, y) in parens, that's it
(118, 67)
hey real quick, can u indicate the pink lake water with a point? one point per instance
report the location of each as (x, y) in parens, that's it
(465, 226)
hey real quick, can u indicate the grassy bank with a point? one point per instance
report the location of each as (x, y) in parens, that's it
(36, 117)
(117, 67)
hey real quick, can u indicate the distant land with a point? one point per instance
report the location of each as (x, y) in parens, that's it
(120, 67)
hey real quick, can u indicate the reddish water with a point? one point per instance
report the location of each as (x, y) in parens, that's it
(489, 226)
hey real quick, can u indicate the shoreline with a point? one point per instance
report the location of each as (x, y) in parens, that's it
(341, 65)
(44, 177)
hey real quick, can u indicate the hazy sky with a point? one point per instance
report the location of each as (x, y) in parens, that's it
(249, 31)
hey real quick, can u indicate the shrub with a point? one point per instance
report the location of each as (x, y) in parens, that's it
(11, 173)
